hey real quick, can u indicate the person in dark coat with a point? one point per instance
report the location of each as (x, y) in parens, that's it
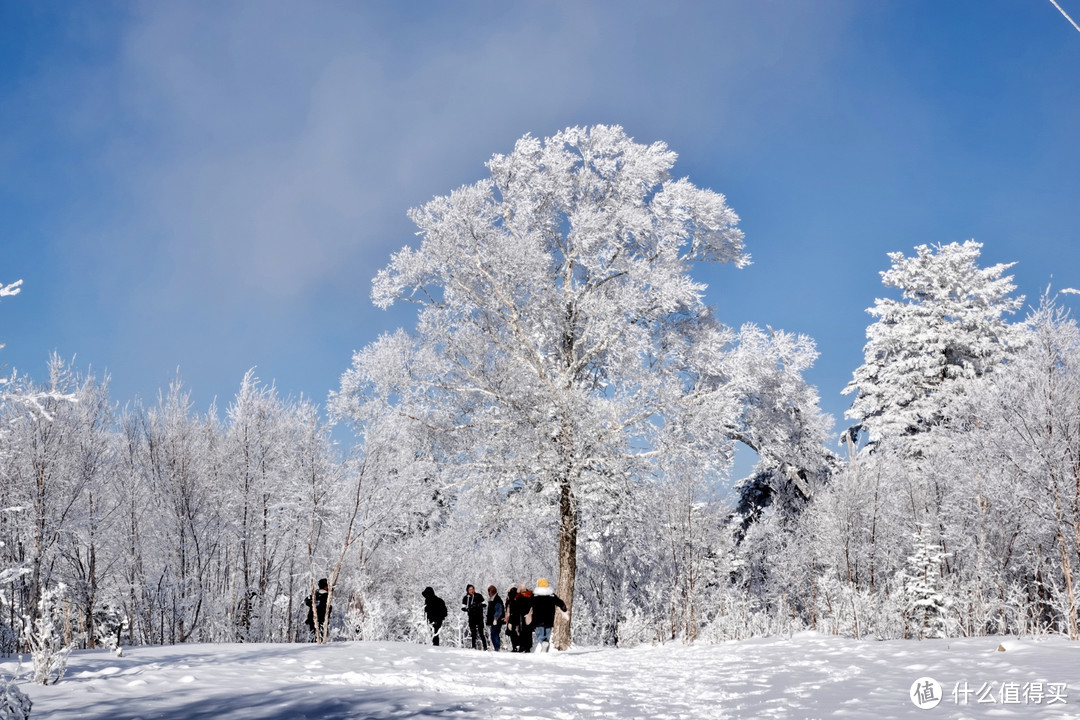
(523, 613)
(319, 611)
(435, 609)
(544, 602)
(473, 604)
(511, 627)
(496, 616)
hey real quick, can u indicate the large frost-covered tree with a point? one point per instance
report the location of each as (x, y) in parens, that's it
(562, 347)
(948, 328)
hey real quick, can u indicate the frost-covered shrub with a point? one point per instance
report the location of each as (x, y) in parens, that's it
(353, 626)
(48, 647)
(14, 703)
(109, 625)
(9, 639)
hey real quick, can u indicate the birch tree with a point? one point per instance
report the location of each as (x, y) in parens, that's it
(562, 344)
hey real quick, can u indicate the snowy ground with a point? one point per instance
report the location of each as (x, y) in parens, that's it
(808, 676)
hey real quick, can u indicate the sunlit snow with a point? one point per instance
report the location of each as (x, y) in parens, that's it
(807, 676)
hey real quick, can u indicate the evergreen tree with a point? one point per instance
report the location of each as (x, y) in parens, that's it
(948, 328)
(926, 606)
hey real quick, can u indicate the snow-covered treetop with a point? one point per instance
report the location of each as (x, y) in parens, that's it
(556, 299)
(948, 278)
(589, 204)
(948, 327)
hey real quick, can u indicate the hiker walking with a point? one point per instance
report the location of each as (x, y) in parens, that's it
(435, 609)
(318, 611)
(544, 602)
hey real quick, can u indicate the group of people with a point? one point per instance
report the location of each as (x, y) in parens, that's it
(527, 614)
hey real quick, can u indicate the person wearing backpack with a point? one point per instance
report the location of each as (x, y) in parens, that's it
(318, 611)
(435, 609)
(544, 602)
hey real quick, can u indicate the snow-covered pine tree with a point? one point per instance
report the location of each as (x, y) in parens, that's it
(927, 607)
(948, 328)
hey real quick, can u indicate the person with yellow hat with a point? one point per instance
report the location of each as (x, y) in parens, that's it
(544, 602)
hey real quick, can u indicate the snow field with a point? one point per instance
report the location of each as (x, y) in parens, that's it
(807, 676)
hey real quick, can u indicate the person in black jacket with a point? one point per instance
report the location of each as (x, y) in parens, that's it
(319, 611)
(473, 604)
(521, 617)
(511, 622)
(435, 609)
(496, 616)
(544, 602)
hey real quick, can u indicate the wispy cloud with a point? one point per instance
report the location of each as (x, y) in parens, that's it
(241, 170)
(269, 149)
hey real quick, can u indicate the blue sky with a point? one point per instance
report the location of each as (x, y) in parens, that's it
(212, 186)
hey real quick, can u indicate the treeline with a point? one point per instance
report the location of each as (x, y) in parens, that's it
(162, 524)
(157, 523)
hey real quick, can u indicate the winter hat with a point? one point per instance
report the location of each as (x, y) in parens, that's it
(542, 582)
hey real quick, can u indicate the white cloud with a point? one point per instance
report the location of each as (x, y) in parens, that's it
(271, 148)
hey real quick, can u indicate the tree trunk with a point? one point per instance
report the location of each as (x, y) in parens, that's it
(1066, 569)
(92, 582)
(568, 527)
